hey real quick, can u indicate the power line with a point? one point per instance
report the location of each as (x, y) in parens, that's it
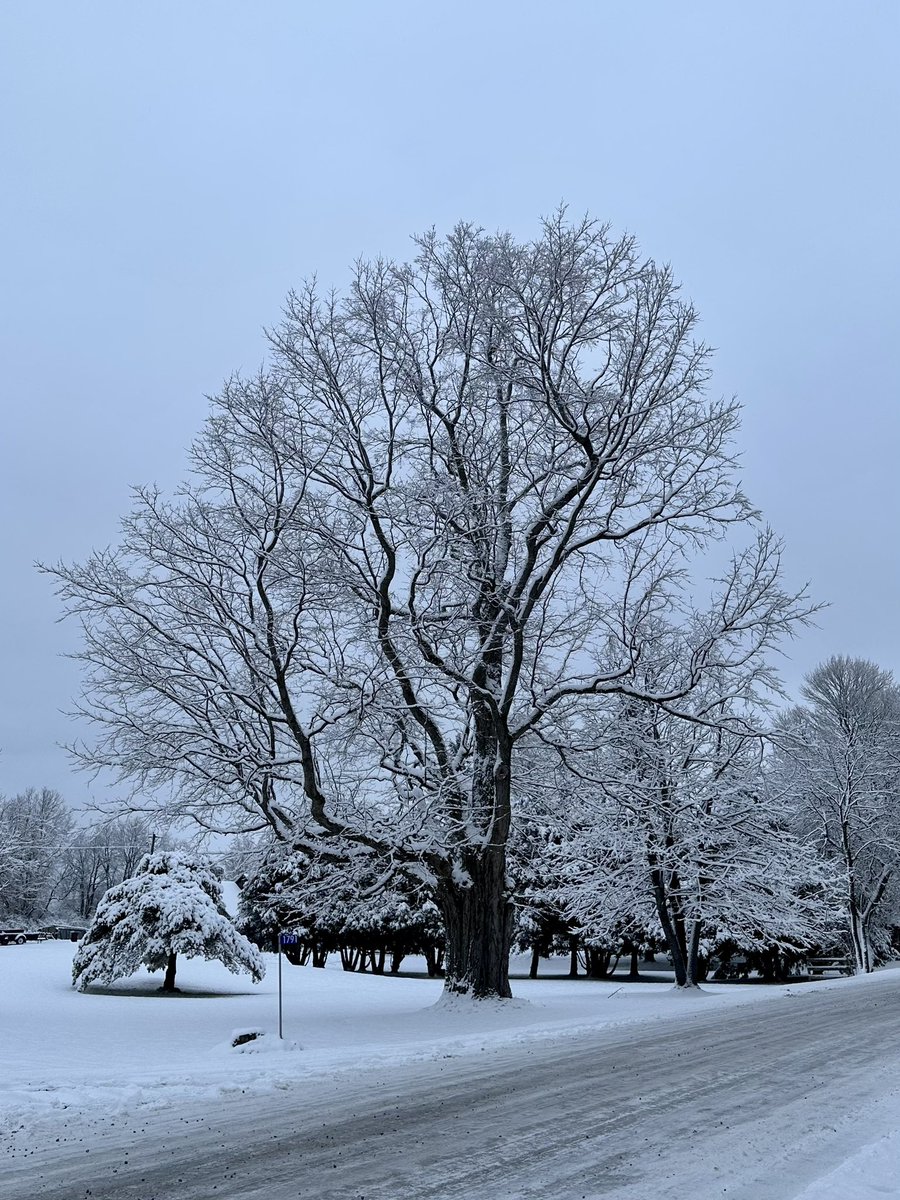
(42, 846)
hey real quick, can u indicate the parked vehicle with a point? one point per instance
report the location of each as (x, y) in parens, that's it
(18, 937)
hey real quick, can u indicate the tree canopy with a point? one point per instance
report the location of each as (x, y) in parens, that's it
(442, 521)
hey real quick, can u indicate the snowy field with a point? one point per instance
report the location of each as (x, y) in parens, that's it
(68, 1056)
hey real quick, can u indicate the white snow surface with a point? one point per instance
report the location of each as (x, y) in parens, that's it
(873, 1172)
(127, 1047)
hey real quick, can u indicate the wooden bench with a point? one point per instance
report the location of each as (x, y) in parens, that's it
(838, 964)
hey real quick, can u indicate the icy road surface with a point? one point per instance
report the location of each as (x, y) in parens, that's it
(753, 1103)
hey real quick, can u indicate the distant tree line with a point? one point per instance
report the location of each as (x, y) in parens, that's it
(54, 862)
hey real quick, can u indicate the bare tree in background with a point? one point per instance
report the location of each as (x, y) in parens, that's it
(441, 519)
(101, 856)
(682, 833)
(840, 764)
(34, 827)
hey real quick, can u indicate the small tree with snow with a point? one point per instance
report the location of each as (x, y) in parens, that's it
(173, 905)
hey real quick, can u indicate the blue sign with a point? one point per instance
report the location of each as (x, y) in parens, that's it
(289, 939)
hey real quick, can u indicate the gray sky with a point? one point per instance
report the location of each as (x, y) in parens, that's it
(170, 170)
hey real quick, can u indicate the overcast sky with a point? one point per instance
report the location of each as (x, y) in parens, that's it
(170, 170)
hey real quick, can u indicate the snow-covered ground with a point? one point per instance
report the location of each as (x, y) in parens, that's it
(873, 1172)
(67, 1055)
(129, 1045)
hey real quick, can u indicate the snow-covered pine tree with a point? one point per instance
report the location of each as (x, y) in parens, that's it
(172, 905)
(541, 926)
(344, 906)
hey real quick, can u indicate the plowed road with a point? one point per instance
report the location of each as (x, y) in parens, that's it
(749, 1102)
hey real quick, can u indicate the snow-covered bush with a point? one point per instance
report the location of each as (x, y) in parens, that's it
(172, 905)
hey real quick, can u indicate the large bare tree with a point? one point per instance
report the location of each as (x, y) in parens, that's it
(441, 518)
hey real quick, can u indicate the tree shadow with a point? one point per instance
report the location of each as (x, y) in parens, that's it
(154, 992)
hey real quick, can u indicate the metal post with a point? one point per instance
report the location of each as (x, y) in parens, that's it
(280, 1034)
(284, 939)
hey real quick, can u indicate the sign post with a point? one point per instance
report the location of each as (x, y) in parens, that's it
(284, 939)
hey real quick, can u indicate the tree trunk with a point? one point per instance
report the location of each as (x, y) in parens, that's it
(859, 936)
(434, 961)
(478, 921)
(535, 962)
(598, 962)
(676, 946)
(573, 957)
(862, 951)
(349, 958)
(169, 981)
(694, 965)
(297, 955)
(771, 967)
(472, 896)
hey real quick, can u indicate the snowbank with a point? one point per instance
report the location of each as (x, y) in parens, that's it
(873, 1172)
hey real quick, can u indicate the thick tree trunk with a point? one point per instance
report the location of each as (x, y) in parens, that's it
(169, 981)
(535, 963)
(478, 921)
(472, 896)
(859, 936)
